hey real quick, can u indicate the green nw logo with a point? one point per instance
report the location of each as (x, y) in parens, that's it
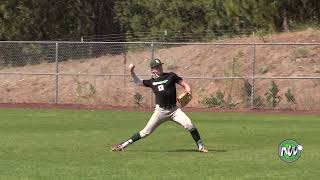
(289, 150)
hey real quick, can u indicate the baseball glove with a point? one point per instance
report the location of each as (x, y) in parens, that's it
(184, 98)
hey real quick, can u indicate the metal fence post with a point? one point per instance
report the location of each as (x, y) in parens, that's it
(125, 64)
(253, 75)
(151, 93)
(57, 74)
(152, 50)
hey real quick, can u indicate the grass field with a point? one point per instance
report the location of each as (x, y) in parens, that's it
(74, 144)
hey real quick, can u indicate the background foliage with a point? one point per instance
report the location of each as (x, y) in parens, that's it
(47, 20)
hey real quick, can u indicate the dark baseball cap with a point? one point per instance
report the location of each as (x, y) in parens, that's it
(155, 62)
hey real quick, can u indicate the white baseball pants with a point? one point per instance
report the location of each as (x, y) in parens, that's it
(161, 115)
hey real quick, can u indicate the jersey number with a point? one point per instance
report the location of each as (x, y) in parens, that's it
(160, 88)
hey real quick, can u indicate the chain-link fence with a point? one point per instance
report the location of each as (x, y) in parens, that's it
(222, 75)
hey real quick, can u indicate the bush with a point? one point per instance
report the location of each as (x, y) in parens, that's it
(92, 91)
(214, 100)
(301, 53)
(84, 91)
(291, 100)
(217, 100)
(258, 101)
(272, 96)
(290, 97)
(246, 92)
(246, 95)
(263, 70)
(138, 99)
(32, 53)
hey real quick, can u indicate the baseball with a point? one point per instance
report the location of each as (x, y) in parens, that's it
(300, 147)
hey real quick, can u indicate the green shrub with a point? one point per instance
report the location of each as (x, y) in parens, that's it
(138, 99)
(246, 95)
(32, 54)
(78, 88)
(273, 99)
(301, 53)
(263, 70)
(218, 100)
(246, 92)
(214, 100)
(92, 91)
(290, 97)
(83, 91)
(258, 101)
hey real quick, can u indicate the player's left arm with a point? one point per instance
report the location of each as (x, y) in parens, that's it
(185, 85)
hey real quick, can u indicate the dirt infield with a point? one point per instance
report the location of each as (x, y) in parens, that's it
(148, 109)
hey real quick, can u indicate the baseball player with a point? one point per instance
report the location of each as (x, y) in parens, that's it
(163, 86)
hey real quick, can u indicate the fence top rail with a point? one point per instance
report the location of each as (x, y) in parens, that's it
(149, 75)
(162, 43)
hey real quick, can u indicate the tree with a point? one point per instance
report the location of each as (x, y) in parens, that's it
(196, 17)
(160, 16)
(162, 19)
(45, 20)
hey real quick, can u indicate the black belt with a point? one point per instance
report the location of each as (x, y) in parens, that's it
(170, 106)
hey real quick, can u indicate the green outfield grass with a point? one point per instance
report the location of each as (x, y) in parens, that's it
(74, 145)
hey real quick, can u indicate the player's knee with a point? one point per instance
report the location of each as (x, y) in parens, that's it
(144, 133)
(189, 126)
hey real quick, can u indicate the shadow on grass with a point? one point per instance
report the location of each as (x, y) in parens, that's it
(177, 150)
